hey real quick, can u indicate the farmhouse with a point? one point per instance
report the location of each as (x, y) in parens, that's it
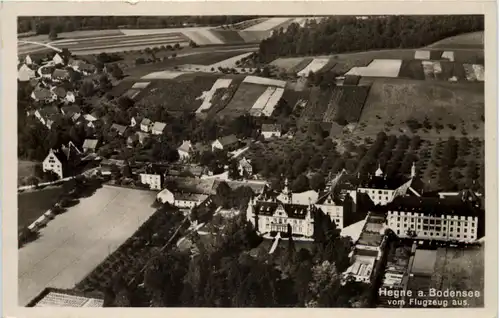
(165, 196)
(188, 200)
(245, 168)
(120, 129)
(46, 71)
(225, 143)
(59, 91)
(185, 150)
(139, 137)
(70, 97)
(429, 218)
(24, 74)
(90, 145)
(146, 125)
(271, 130)
(158, 128)
(82, 66)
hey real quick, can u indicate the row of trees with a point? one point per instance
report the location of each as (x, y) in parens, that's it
(349, 34)
(44, 25)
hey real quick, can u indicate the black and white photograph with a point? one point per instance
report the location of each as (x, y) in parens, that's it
(267, 161)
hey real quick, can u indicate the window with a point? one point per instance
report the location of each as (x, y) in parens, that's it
(431, 221)
(451, 222)
(465, 230)
(430, 233)
(458, 229)
(425, 233)
(418, 227)
(399, 219)
(472, 231)
(438, 228)
(426, 228)
(379, 191)
(398, 232)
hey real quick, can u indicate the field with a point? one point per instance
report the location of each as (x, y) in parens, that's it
(351, 102)
(474, 40)
(378, 68)
(314, 66)
(318, 104)
(391, 102)
(411, 69)
(459, 269)
(287, 63)
(208, 95)
(31, 205)
(75, 242)
(242, 101)
(221, 98)
(333, 106)
(175, 95)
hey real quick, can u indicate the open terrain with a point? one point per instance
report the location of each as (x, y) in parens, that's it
(473, 40)
(25, 169)
(74, 243)
(392, 102)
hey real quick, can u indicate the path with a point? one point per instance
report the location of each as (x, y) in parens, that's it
(275, 244)
(41, 44)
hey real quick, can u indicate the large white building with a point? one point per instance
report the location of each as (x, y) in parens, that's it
(429, 218)
(153, 180)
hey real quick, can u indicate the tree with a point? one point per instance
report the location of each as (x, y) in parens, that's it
(139, 61)
(87, 89)
(125, 103)
(317, 182)
(300, 184)
(117, 72)
(174, 55)
(53, 34)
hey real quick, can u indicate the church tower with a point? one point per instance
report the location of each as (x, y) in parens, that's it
(379, 171)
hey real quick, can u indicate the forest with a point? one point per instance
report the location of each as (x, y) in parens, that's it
(44, 25)
(349, 34)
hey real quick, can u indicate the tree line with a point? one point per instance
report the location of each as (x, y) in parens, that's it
(44, 25)
(350, 34)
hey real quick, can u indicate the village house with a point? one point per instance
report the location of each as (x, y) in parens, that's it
(225, 143)
(245, 168)
(46, 71)
(152, 176)
(28, 60)
(158, 128)
(57, 59)
(46, 113)
(138, 137)
(185, 150)
(90, 145)
(271, 130)
(25, 74)
(73, 112)
(40, 94)
(60, 75)
(60, 161)
(165, 196)
(82, 67)
(70, 97)
(146, 125)
(120, 129)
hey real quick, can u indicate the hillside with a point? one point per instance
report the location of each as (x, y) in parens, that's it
(473, 40)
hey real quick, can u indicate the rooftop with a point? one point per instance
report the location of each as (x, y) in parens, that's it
(270, 127)
(434, 206)
(228, 140)
(52, 297)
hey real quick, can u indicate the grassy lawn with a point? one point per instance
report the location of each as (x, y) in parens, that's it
(391, 102)
(31, 205)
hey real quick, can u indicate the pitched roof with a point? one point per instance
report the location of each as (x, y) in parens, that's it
(186, 146)
(59, 91)
(434, 206)
(89, 117)
(90, 143)
(47, 70)
(71, 110)
(296, 211)
(60, 73)
(48, 111)
(228, 140)
(271, 127)
(119, 128)
(42, 93)
(159, 126)
(384, 183)
(146, 122)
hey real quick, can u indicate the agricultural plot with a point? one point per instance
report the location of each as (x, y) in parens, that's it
(175, 96)
(228, 36)
(412, 69)
(452, 72)
(301, 65)
(264, 81)
(333, 106)
(436, 55)
(314, 66)
(318, 104)
(163, 75)
(432, 69)
(422, 55)
(140, 85)
(392, 102)
(230, 62)
(269, 24)
(207, 96)
(272, 102)
(378, 68)
(75, 242)
(203, 37)
(288, 63)
(328, 66)
(351, 102)
(220, 99)
(243, 100)
(261, 102)
(448, 55)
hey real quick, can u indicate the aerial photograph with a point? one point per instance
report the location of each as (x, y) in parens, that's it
(251, 161)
